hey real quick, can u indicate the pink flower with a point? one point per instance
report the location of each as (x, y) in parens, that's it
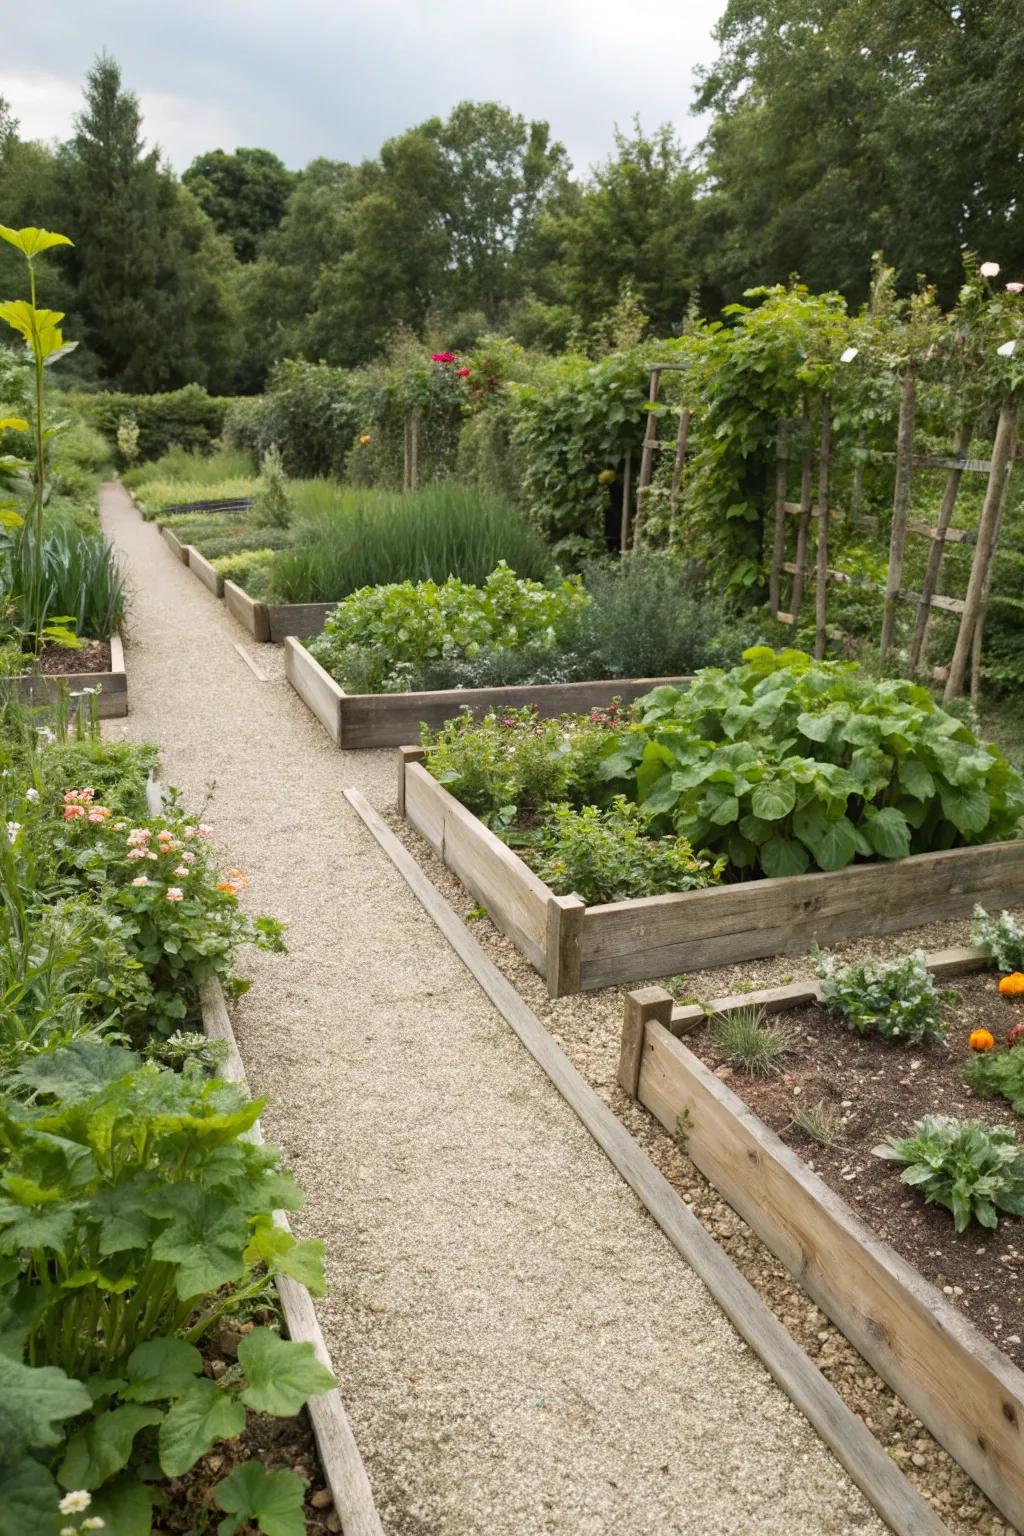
(141, 880)
(98, 813)
(173, 893)
(138, 837)
(119, 826)
(181, 870)
(151, 855)
(204, 829)
(189, 833)
(1015, 287)
(188, 858)
(442, 357)
(462, 373)
(136, 853)
(989, 269)
(73, 812)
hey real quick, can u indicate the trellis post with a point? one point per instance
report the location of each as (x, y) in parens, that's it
(624, 521)
(824, 481)
(900, 504)
(935, 554)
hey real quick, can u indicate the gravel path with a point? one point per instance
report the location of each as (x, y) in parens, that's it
(520, 1349)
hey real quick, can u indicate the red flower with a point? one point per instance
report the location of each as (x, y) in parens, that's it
(462, 373)
(442, 357)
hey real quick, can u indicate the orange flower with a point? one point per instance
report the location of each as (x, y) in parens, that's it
(1012, 985)
(364, 438)
(981, 1040)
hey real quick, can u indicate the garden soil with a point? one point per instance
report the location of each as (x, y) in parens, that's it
(519, 1348)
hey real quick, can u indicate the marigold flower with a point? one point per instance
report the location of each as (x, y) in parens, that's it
(227, 885)
(73, 812)
(173, 893)
(364, 438)
(141, 880)
(1012, 985)
(981, 1040)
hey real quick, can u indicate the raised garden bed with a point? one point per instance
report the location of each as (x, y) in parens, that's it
(964, 1389)
(174, 544)
(208, 575)
(578, 948)
(358, 720)
(43, 687)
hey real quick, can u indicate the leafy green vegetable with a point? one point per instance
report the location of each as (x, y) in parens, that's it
(280, 1374)
(272, 1499)
(1002, 939)
(973, 1169)
(992, 1073)
(896, 999)
(605, 855)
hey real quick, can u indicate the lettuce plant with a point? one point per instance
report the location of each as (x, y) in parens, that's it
(973, 1169)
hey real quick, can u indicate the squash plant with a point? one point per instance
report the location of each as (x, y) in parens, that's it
(786, 765)
(134, 1213)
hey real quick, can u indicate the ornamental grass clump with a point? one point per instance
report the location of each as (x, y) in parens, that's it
(897, 999)
(973, 1169)
(748, 1042)
(605, 855)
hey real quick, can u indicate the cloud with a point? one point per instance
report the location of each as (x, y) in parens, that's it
(316, 77)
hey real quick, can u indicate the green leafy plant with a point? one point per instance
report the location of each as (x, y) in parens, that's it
(973, 1169)
(271, 506)
(1002, 939)
(897, 999)
(381, 637)
(605, 855)
(993, 1074)
(135, 1213)
(747, 1041)
(787, 765)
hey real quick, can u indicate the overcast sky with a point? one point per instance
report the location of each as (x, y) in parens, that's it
(338, 77)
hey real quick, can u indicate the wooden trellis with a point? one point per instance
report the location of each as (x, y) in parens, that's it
(651, 446)
(971, 608)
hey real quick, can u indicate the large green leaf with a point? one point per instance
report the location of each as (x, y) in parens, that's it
(280, 1375)
(34, 1400)
(206, 1238)
(887, 832)
(915, 779)
(784, 856)
(205, 1414)
(76, 1071)
(968, 809)
(284, 1255)
(159, 1369)
(273, 1499)
(104, 1446)
(773, 799)
(126, 1505)
(32, 242)
(34, 1227)
(818, 727)
(39, 327)
(28, 1497)
(835, 845)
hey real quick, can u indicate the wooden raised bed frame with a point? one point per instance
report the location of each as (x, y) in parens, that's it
(359, 720)
(578, 948)
(959, 1384)
(42, 688)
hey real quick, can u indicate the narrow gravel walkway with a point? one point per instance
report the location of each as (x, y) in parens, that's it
(520, 1349)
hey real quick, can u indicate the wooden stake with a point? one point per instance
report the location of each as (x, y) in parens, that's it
(984, 552)
(650, 438)
(677, 469)
(803, 526)
(900, 504)
(938, 549)
(779, 542)
(405, 455)
(979, 627)
(414, 452)
(821, 513)
(624, 524)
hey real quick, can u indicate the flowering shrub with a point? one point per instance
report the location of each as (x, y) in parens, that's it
(897, 999)
(380, 637)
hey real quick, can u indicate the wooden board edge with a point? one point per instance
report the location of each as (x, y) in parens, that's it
(854, 1447)
(342, 1464)
(303, 671)
(248, 611)
(207, 573)
(920, 1294)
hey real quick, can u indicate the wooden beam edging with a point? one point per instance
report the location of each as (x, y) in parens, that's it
(961, 1387)
(42, 688)
(357, 722)
(210, 577)
(173, 543)
(342, 1464)
(339, 1455)
(247, 611)
(854, 1447)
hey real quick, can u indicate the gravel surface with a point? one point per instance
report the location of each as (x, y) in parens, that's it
(519, 1348)
(588, 1027)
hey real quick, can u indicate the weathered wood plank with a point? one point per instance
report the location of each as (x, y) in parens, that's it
(174, 544)
(961, 1387)
(660, 935)
(937, 600)
(562, 941)
(515, 899)
(315, 687)
(342, 1464)
(899, 1505)
(247, 611)
(43, 689)
(299, 619)
(201, 567)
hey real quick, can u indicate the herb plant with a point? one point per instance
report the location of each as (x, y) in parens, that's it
(1002, 939)
(749, 1042)
(605, 855)
(973, 1169)
(897, 999)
